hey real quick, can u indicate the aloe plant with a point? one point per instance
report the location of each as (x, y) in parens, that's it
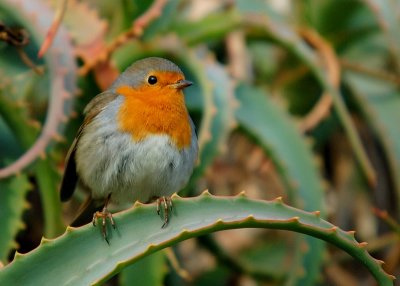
(133, 239)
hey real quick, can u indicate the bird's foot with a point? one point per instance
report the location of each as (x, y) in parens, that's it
(166, 203)
(104, 214)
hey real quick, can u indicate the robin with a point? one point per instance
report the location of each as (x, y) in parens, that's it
(137, 142)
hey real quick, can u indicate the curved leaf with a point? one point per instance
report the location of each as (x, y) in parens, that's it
(192, 217)
(12, 195)
(386, 16)
(222, 115)
(263, 119)
(60, 78)
(380, 104)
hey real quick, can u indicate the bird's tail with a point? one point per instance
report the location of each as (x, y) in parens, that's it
(85, 212)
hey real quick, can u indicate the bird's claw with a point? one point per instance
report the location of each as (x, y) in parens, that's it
(167, 206)
(104, 214)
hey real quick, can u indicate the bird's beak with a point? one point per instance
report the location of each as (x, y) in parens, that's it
(182, 84)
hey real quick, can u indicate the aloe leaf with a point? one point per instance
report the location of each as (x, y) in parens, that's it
(385, 13)
(380, 105)
(285, 35)
(82, 21)
(222, 115)
(45, 173)
(377, 99)
(162, 23)
(15, 116)
(343, 23)
(266, 123)
(13, 203)
(59, 77)
(82, 257)
(48, 180)
(266, 257)
(148, 271)
(209, 28)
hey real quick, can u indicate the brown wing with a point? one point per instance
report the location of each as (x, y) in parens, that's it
(71, 177)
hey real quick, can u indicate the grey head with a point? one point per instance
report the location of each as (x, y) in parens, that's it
(138, 72)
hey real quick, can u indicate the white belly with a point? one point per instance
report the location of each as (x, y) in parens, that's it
(111, 162)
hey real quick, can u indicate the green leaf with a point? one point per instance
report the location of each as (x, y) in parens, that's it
(220, 273)
(60, 77)
(148, 271)
(162, 23)
(284, 34)
(385, 13)
(220, 86)
(48, 180)
(82, 257)
(265, 258)
(267, 124)
(264, 120)
(210, 28)
(12, 204)
(341, 22)
(380, 105)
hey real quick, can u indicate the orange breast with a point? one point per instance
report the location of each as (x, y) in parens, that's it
(155, 111)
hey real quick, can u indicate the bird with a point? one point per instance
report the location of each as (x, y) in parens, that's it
(137, 142)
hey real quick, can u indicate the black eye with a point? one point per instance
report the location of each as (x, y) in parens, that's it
(152, 79)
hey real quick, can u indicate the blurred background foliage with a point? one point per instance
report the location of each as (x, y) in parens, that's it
(298, 99)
